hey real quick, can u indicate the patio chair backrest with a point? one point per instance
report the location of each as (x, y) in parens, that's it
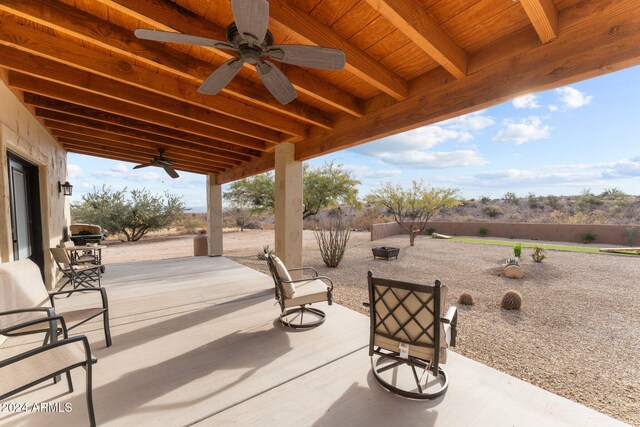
(60, 256)
(21, 286)
(410, 313)
(279, 290)
(67, 244)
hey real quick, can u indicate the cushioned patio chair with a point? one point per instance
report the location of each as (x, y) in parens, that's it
(80, 258)
(18, 372)
(295, 295)
(25, 298)
(409, 331)
(76, 274)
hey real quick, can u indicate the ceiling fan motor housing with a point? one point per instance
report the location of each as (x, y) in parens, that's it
(250, 52)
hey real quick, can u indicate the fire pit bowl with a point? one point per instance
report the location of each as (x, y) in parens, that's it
(385, 252)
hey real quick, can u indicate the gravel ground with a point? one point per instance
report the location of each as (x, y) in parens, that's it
(577, 334)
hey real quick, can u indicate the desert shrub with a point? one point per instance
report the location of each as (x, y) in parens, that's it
(588, 237)
(632, 232)
(538, 254)
(485, 199)
(492, 211)
(431, 230)
(511, 197)
(332, 237)
(534, 201)
(588, 202)
(465, 299)
(511, 300)
(484, 231)
(517, 250)
(265, 251)
(553, 201)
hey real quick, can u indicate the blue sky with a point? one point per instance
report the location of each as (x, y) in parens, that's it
(586, 135)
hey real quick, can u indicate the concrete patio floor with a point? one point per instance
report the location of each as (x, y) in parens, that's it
(195, 342)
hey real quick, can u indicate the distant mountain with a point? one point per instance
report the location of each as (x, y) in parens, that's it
(197, 209)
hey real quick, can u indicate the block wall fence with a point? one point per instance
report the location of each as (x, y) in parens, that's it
(609, 234)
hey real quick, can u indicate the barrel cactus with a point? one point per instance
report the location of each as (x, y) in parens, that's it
(465, 299)
(511, 300)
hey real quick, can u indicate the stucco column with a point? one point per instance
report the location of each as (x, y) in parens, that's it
(288, 200)
(214, 215)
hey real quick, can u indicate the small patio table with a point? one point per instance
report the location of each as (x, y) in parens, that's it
(94, 250)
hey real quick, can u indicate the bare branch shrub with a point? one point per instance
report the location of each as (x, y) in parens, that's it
(332, 236)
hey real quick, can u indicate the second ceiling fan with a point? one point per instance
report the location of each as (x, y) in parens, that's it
(249, 37)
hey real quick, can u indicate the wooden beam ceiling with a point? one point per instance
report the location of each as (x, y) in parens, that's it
(305, 27)
(543, 14)
(410, 17)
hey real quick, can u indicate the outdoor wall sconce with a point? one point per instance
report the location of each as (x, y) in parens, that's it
(65, 188)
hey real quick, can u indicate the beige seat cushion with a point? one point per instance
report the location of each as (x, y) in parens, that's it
(283, 274)
(33, 368)
(308, 292)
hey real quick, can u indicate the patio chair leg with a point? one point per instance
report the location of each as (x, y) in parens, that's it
(69, 382)
(284, 317)
(107, 330)
(92, 415)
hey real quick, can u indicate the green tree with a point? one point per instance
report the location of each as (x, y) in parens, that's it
(133, 216)
(412, 208)
(325, 186)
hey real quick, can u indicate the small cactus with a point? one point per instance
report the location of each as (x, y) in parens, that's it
(538, 254)
(465, 299)
(511, 300)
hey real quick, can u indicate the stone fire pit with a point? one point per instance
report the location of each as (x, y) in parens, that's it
(385, 252)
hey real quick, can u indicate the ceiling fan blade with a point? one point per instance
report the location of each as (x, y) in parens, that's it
(171, 171)
(179, 38)
(276, 82)
(144, 165)
(221, 77)
(251, 17)
(309, 56)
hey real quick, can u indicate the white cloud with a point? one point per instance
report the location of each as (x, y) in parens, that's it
(74, 171)
(572, 98)
(365, 172)
(434, 159)
(470, 122)
(529, 129)
(526, 101)
(553, 107)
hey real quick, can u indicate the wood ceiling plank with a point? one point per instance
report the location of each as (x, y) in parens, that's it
(293, 20)
(99, 129)
(55, 109)
(543, 14)
(92, 100)
(103, 151)
(410, 18)
(594, 39)
(171, 17)
(255, 167)
(127, 72)
(69, 20)
(119, 141)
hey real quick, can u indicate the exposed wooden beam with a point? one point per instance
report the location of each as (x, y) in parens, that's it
(169, 16)
(543, 14)
(92, 100)
(127, 72)
(49, 108)
(95, 151)
(264, 164)
(127, 140)
(584, 49)
(410, 17)
(55, 116)
(75, 22)
(307, 28)
(82, 80)
(144, 153)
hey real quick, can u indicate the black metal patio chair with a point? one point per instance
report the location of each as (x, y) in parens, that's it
(22, 371)
(85, 275)
(408, 331)
(295, 295)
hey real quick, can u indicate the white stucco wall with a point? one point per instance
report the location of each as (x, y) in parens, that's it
(23, 135)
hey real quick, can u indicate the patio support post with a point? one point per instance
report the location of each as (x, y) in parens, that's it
(288, 205)
(214, 215)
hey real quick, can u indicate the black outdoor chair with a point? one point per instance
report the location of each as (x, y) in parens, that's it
(28, 300)
(76, 274)
(408, 331)
(19, 372)
(295, 295)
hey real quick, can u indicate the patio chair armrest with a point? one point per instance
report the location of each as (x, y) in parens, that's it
(49, 310)
(315, 272)
(103, 295)
(51, 320)
(452, 319)
(323, 278)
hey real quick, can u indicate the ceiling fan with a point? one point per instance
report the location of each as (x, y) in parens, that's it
(249, 37)
(161, 162)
